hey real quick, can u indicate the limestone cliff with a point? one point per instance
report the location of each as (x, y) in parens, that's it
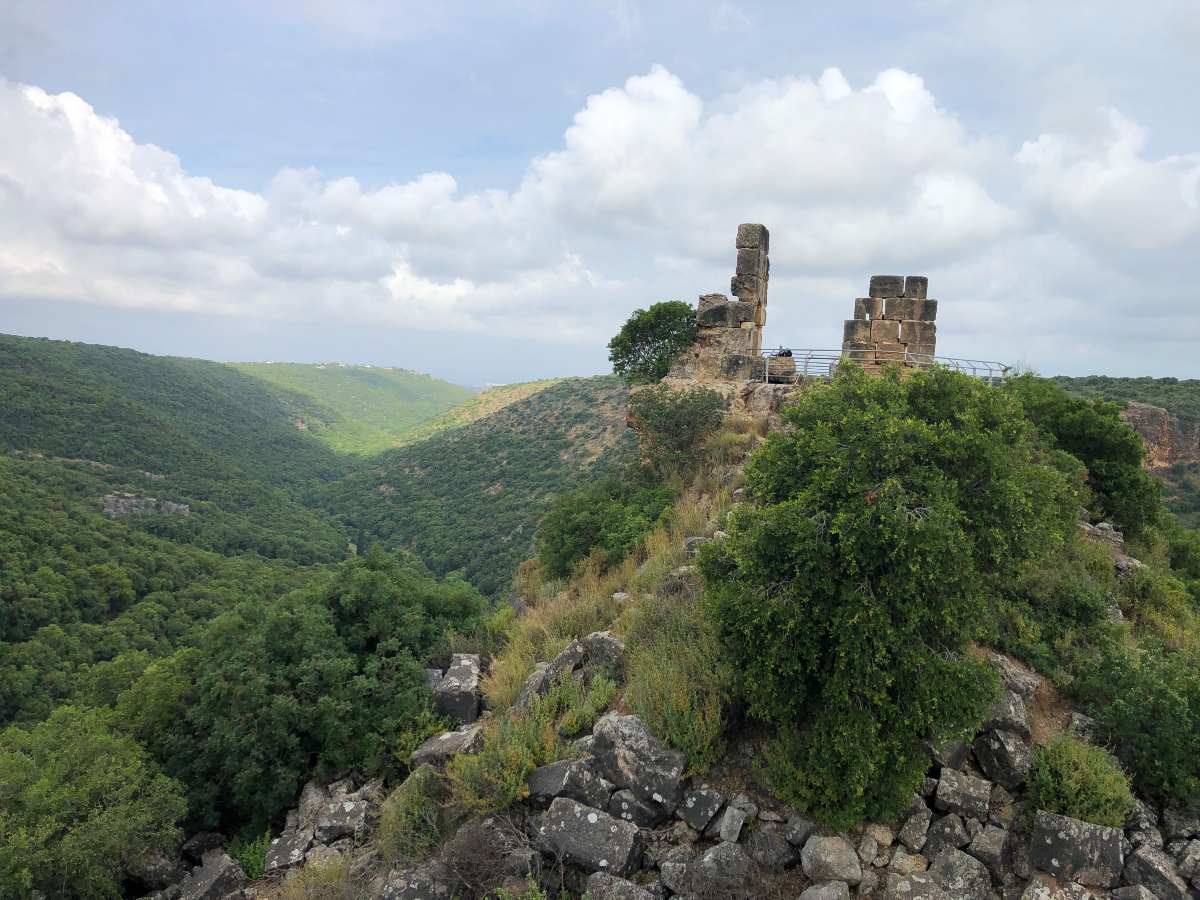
(1169, 439)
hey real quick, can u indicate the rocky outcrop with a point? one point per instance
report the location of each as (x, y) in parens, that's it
(121, 505)
(457, 692)
(1168, 438)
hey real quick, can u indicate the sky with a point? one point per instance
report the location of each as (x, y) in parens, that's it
(485, 191)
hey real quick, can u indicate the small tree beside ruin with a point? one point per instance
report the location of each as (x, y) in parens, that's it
(642, 351)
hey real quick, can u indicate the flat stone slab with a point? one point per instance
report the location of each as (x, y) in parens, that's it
(590, 839)
(1072, 850)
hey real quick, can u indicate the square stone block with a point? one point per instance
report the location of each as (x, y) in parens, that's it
(857, 331)
(859, 352)
(751, 261)
(921, 353)
(750, 235)
(928, 310)
(708, 301)
(885, 330)
(916, 286)
(902, 308)
(886, 286)
(918, 332)
(890, 351)
(747, 287)
(868, 308)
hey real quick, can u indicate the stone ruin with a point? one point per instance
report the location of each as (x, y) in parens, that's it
(893, 323)
(729, 332)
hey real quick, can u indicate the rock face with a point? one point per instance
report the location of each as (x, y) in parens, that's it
(1168, 439)
(630, 757)
(120, 505)
(589, 838)
(1077, 851)
(215, 877)
(457, 694)
(571, 778)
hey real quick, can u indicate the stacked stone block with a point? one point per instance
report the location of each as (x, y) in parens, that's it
(893, 324)
(729, 332)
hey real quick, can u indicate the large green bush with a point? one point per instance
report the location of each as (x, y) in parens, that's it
(79, 804)
(611, 515)
(672, 425)
(888, 510)
(1073, 778)
(1147, 704)
(1093, 432)
(642, 351)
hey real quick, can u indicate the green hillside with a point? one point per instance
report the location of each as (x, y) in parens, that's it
(181, 430)
(361, 409)
(477, 407)
(470, 498)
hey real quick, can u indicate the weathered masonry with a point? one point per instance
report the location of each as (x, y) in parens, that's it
(893, 323)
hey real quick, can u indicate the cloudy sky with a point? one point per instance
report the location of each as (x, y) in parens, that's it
(485, 190)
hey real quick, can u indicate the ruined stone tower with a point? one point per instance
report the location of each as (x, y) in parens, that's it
(729, 332)
(894, 323)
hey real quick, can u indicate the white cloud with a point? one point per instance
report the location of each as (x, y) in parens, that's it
(639, 203)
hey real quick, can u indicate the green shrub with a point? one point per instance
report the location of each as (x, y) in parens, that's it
(1092, 430)
(672, 426)
(1073, 778)
(251, 853)
(1147, 704)
(77, 803)
(583, 706)
(411, 821)
(889, 512)
(677, 679)
(610, 515)
(642, 351)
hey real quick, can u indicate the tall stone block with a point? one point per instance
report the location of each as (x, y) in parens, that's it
(753, 235)
(885, 330)
(916, 286)
(751, 261)
(857, 331)
(868, 308)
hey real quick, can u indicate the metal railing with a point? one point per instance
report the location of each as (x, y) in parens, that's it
(821, 364)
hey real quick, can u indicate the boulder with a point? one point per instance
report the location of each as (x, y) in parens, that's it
(288, 850)
(535, 685)
(590, 839)
(1132, 892)
(916, 886)
(1187, 859)
(439, 749)
(1042, 887)
(1017, 678)
(951, 755)
(574, 778)
(341, 818)
(1150, 867)
(602, 886)
(1004, 756)
(1072, 850)
(947, 831)
(799, 829)
(570, 659)
(988, 847)
(216, 876)
(699, 806)
(830, 858)
(630, 757)
(1180, 824)
(725, 871)
(1009, 714)
(200, 843)
(903, 863)
(960, 875)
(830, 890)
(603, 648)
(426, 882)
(916, 826)
(768, 847)
(627, 807)
(457, 694)
(959, 792)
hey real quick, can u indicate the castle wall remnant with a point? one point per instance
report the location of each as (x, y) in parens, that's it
(893, 323)
(729, 332)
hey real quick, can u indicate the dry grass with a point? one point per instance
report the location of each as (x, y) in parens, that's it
(561, 611)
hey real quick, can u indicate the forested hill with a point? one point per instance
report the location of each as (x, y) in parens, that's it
(1180, 397)
(469, 498)
(361, 409)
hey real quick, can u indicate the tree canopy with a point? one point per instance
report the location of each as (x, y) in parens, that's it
(642, 351)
